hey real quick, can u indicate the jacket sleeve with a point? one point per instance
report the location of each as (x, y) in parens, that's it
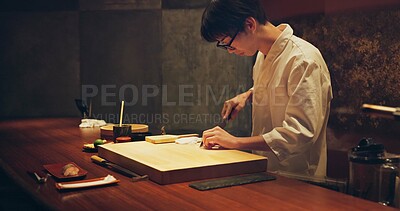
(308, 99)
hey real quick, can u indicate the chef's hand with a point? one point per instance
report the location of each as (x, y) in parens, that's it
(233, 106)
(218, 136)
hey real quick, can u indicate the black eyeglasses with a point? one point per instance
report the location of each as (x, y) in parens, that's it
(228, 46)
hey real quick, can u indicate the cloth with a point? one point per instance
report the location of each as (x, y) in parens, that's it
(92, 123)
(291, 103)
(188, 140)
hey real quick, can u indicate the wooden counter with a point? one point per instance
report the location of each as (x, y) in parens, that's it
(29, 144)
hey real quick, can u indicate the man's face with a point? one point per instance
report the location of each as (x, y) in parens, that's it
(241, 44)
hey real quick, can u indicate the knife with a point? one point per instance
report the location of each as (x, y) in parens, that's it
(112, 166)
(393, 110)
(222, 125)
(224, 122)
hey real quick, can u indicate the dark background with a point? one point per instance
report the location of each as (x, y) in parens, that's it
(53, 51)
(150, 54)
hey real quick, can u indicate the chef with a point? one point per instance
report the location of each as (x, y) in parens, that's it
(291, 90)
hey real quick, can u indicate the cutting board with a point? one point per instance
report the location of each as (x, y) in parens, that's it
(173, 163)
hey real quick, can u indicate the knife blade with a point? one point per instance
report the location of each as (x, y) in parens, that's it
(113, 166)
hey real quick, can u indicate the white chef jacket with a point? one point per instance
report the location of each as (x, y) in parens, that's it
(291, 101)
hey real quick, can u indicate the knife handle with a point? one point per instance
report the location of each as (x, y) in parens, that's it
(97, 159)
(380, 108)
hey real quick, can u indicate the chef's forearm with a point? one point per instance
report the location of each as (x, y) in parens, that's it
(252, 143)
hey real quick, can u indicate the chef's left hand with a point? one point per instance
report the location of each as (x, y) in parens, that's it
(218, 136)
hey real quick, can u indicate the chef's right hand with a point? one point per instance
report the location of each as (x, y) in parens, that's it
(233, 106)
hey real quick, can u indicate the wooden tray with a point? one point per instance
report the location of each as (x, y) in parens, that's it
(172, 163)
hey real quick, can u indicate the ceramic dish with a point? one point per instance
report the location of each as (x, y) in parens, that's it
(56, 171)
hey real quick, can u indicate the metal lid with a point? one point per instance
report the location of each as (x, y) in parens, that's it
(368, 152)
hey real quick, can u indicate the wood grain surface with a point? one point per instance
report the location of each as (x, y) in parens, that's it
(29, 144)
(171, 163)
(160, 139)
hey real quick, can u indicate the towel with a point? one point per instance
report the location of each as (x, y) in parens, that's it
(92, 123)
(187, 140)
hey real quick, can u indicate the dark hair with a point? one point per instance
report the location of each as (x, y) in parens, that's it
(225, 17)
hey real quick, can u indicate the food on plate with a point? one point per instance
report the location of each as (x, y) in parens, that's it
(70, 170)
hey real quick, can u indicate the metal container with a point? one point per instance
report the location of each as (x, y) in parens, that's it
(374, 174)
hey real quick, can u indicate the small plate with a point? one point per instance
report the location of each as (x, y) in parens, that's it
(92, 148)
(56, 171)
(89, 148)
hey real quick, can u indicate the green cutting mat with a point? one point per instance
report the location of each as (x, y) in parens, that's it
(231, 181)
